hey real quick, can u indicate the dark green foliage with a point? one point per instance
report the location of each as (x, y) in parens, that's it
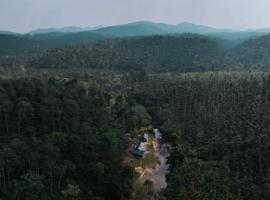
(57, 39)
(231, 39)
(61, 139)
(157, 49)
(253, 53)
(182, 53)
(218, 125)
(12, 45)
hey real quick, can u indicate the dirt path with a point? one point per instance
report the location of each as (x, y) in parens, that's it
(157, 175)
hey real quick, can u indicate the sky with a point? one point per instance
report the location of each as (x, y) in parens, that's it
(27, 15)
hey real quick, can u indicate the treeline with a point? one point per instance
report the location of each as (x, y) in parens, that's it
(182, 53)
(63, 138)
(218, 125)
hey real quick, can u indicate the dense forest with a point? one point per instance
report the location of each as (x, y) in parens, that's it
(17, 45)
(71, 102)
(63, 136)
(13, 45)
(218, 124)
(253, 53)
(182, 53)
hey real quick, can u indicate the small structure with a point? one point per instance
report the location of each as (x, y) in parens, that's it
(141, 147)
(137, 152)
(144, 137)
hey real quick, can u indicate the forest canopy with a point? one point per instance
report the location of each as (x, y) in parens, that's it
(182, 53)
(71, 103)
(63, 135)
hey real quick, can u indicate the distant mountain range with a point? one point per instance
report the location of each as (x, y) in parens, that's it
(137, 28)
(150, 28)
(9, 33)
(142, 28)
(68, 29)
(226, 37)
(37, 41)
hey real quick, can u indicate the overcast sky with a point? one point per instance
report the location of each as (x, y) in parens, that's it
(26, 15)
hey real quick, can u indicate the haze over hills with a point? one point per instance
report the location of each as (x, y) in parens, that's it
(68, 29)
(150, 28)
(239, 45)
(134, 100)
(56, 37)
(185, 52)
(8, 32)
(142, 28)
(42, 39)
(74, 103)
(138, 28)
(254, 52)
(153, 27)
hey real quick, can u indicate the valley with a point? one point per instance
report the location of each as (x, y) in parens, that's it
(78, 112)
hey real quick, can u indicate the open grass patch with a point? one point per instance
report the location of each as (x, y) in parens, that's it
(149, 160)
(150, 147)
(135, 162)
(151, 135)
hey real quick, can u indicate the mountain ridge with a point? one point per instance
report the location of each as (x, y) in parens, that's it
(156, 28)
(66, 29)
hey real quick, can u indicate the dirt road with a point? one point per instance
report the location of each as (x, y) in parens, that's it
(157, 175)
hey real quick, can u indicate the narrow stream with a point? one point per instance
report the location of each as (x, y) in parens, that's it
(162, 167)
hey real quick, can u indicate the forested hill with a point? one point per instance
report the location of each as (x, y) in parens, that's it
(59, 39)
(16, 44)
(184, 53)
(133, 29)
(254, 52)
(35, 42)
